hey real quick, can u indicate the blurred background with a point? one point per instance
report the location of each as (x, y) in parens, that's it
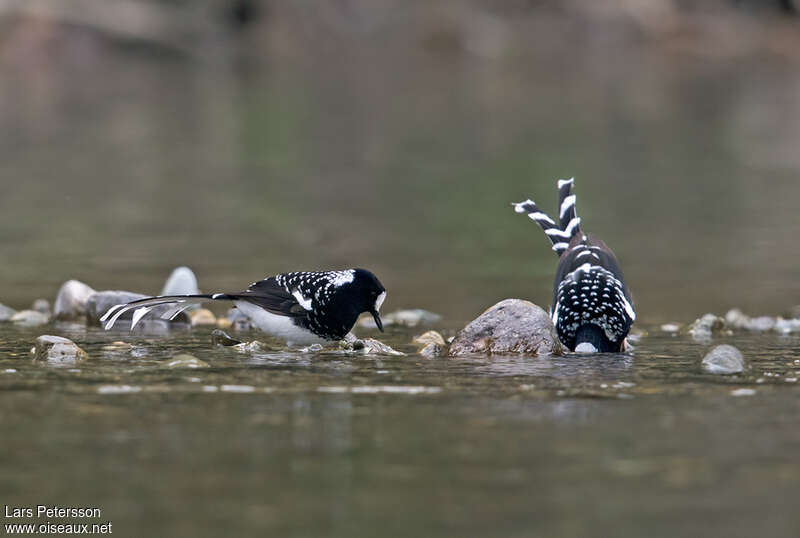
(249, 137)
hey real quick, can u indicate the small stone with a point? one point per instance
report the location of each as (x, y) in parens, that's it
(723, 359)
(787, 326)
(671, 327)
(186, 361)
(705, 327)
(736, 319)
(181, 281)
(368, 346)
(239, 321)
(71, 300)
(430, 337)
(404, 318)
(29, 318)
(431, 351)
(202, 317)
(6, 312)
(224, 323)
(58, 350)
(221, 338)
(41, 305)
(118, 346)
(510, 326)
(743, 392)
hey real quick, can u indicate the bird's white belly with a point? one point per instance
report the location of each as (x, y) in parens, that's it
(278, 326)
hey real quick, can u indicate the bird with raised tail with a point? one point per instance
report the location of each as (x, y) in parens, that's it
(301, 308)
(592, 307)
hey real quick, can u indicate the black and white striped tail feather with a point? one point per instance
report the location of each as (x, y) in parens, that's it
(569, 223)
(142, 306)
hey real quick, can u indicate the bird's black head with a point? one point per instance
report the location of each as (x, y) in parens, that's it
(368, 294)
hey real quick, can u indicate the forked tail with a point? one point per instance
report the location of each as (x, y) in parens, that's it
(569, 223)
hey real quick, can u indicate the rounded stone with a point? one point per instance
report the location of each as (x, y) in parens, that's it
(59, 350)
(6, 312)
(202, 317)
(430, 337)
(723, 359)
(30, 318)
(71, 300)
(181, 281)
(510, 326)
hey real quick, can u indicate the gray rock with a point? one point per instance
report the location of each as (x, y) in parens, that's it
(29, 318)
(181, 281)
(71, 300)
(723, 359)
(6, 312)
(403, 318)
(510, 326)
(99, 302)
(705, 327)
(431, 351)
(58, 350)
(41, 305)
(221, 338)
(736, 319)
(239, 321)
(367, 346)
(185, 361)
(786, 326)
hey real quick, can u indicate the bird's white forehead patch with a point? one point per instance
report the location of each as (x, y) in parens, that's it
(379, 301)
(340, 278)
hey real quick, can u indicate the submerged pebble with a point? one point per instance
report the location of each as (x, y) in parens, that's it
(186, 361)
(118, 389)
(723, 359)
(431, 351)
(671, 327)
(743, 392)
(71, 300)
(56, 349)
(510, 326)
(30, 318)
(368, 346)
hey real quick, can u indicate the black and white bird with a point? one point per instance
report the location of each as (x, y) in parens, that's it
(301, 308)
(592, 307)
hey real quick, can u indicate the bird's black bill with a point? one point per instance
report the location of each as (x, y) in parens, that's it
(377, 319)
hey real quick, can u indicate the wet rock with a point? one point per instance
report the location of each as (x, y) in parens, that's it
(737, 319)
(41, 305)
(185, 361)
(99, 302)
(723, 359)
(707, 326)
(403, 318)
(221, 338)
(29, 318)
(182, 281)
(6, 312)
(431, 351)
(55, 349)
(671, 328)
(367, 346)
(252, 347)
(223, 323)
(510, 326)
(118, 346)
(430, 337)
(71, 300)
(202, 317)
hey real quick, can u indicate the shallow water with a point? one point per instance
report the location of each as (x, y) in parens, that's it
(387, 151)
(306, 444)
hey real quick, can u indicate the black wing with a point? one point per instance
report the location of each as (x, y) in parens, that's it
(272, 297)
